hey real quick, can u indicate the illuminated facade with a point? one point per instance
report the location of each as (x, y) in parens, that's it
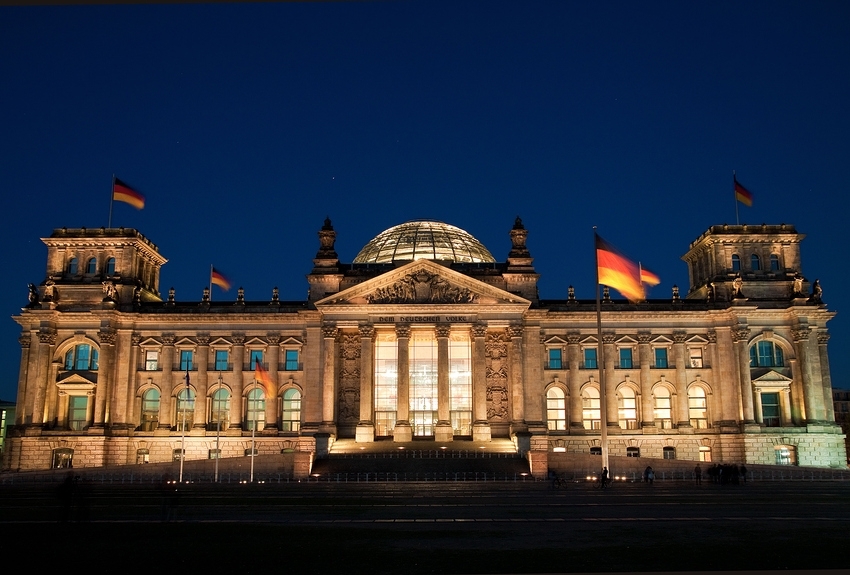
(424, 336)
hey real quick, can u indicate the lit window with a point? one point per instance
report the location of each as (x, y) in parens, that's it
(590, 408)
(255, 358)
(221, 358)
(151, 360)
(214, 454)
(663, 410)
(291, 418)
(220, 410)
(736, 263)
(770, 409)
(627, 408)
(186, 360)
(91, 266)
(73, 266)
(625, 358)
(110, 267)
(81, 357)
(633, 452)
(291, 360)
(766, 354)
(590, 358)
(556, 409)
(697, 407)
(785, 455)
(178, 454)
(77, 412)
(185, 409)
(669, 452)
(554, 358)
(661, 357)
(386, 383)
(695, 357)
(143, 456)
(755, 262)
(774, 263)
(150, 410)
(460, 383)
(705, 453)
(256, 415)
(63, 458)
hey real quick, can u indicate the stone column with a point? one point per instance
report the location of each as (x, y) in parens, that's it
(443, 429)
(680, 359)
(721, 417)
(812, 392)
(826, 378)
(480, 425)
(609, 351)
(647, 411)
(757, 411)
(273, 406)
(365, 432)
(201, 383)
(740, 337)
(725, 373)
(20, 403)
(329, 354)
(574, 360)
(517, 385)
(236, 403)
(104, 389)
(403, 431)
(46, 343)
(167, 384)
(785, 400)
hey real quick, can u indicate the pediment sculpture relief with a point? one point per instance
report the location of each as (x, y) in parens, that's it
(421, 287)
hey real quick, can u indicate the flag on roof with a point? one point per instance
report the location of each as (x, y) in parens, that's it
(123, 192)
(616, 271)
(219, 279)
(742, 194)
(648, 277)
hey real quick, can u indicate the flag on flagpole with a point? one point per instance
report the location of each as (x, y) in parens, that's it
(219, 279)
(124, 193)
(648, 277)
(264, 379)
(742, 194)
(615, 271)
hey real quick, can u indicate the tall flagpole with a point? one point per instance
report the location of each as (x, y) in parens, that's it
(211, 270)
(217, 431)
(600, 353)
(111, 200)
(735, 197)
(253, 435)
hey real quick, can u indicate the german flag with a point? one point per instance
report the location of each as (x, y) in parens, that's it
(648, 277)
(122, 192)
(618, 272)
(742, 194)
(264, 379)
(219, 279)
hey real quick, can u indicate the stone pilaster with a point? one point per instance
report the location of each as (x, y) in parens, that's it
(46, 348)
(480, 425)
(273, 405)
(443, 428)
(610, 394)
(812, 391)
(740, 337)
(329, 382)
(104, 389)
(681, 361)
(167, 384)
(25, 340)
(366, 426)
(201, 383)
(826, 378)
(574, 360)
(517, 383)
(403, 431)
(645, 359)
(236, 401)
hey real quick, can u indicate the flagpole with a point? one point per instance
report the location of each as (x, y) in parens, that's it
(211, 270)
(603, 418)
(217, 432)
(111, 200)
(735, 197)
(253, 435)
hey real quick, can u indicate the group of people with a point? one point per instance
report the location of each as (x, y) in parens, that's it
(726, 474)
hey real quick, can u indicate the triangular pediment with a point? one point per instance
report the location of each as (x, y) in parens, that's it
(422, 282)
(772, 377)
(77, 380)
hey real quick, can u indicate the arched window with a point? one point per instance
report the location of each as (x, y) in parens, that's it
(627, 408)
(110, 267)
(255, 418)
(81, 357)
(697, 407)
(736, 263)
(220, 410)
(73, 267)
(150, 410)
(774, 263)
(755, 262)
(591, 416)
(669, 452)
(556, 409)
(185, 409)
(291, 416)
(91, 266)
(766, 354)
(663, 408)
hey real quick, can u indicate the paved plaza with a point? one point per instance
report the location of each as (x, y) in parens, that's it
(437, 527)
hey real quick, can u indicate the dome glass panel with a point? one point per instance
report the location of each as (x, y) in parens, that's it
(424, 239)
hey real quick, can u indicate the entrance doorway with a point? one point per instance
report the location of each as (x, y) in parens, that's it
(423, 423)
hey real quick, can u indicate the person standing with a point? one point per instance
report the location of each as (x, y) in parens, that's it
(603, 478)
(698, 475)
(743, 471)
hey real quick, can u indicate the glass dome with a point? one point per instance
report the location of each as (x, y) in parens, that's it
(423, 239)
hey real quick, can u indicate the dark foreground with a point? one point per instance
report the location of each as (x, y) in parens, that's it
(430, 528)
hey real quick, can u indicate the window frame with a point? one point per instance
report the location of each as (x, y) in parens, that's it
(625, 358)
(661, 362)
(556, 409)
(290, 363)
(590, 358)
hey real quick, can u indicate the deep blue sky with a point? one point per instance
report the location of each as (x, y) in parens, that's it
(246, 124)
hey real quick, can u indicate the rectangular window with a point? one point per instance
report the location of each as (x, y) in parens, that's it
(625, 358)
(221, 358)
(590, 358)
(255, 357)
(186, 360)
(291, 360)
(661, 357)
(696, 357)
(554, 359)
(770, 409)
(77, 405)
(151, 360)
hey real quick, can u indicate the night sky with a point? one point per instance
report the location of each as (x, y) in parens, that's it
(245, 125)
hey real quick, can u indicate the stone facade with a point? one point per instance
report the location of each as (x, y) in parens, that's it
(113, 372)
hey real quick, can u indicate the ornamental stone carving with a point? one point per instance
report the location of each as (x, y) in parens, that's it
(823, 338)
(479, 330)
(47, 337)
(24, 340)
(679, 337)
(238, 338)
(203, 339)
(514, 331)
(801, 333)
(711, 336)
(496, 349)
(644, 337)
(421, 287)
(366, 331)
(350, 347)
(402, 330)
(574, 338)
(609, 337)
(330, 331)
(442, 330)
(106, 337)
(136, 339)
(740, 334)
(348, 396)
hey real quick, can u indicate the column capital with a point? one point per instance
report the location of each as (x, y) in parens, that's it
(608, 337)
(739, 334)
(711, 335)
(644, 337)
(136, 339)
(479, 330)
(679, 336)
(514, 330)
(48, 337)
(402, 330)
(823, 337)
(367, 331)
(106, 337)
(574, 338)
(801, 333)
(203, 339)
(442, 330)
(238, 338)
(25, 340)
(330, 331)
(168, 339)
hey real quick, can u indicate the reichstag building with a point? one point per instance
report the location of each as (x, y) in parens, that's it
(424, 336)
